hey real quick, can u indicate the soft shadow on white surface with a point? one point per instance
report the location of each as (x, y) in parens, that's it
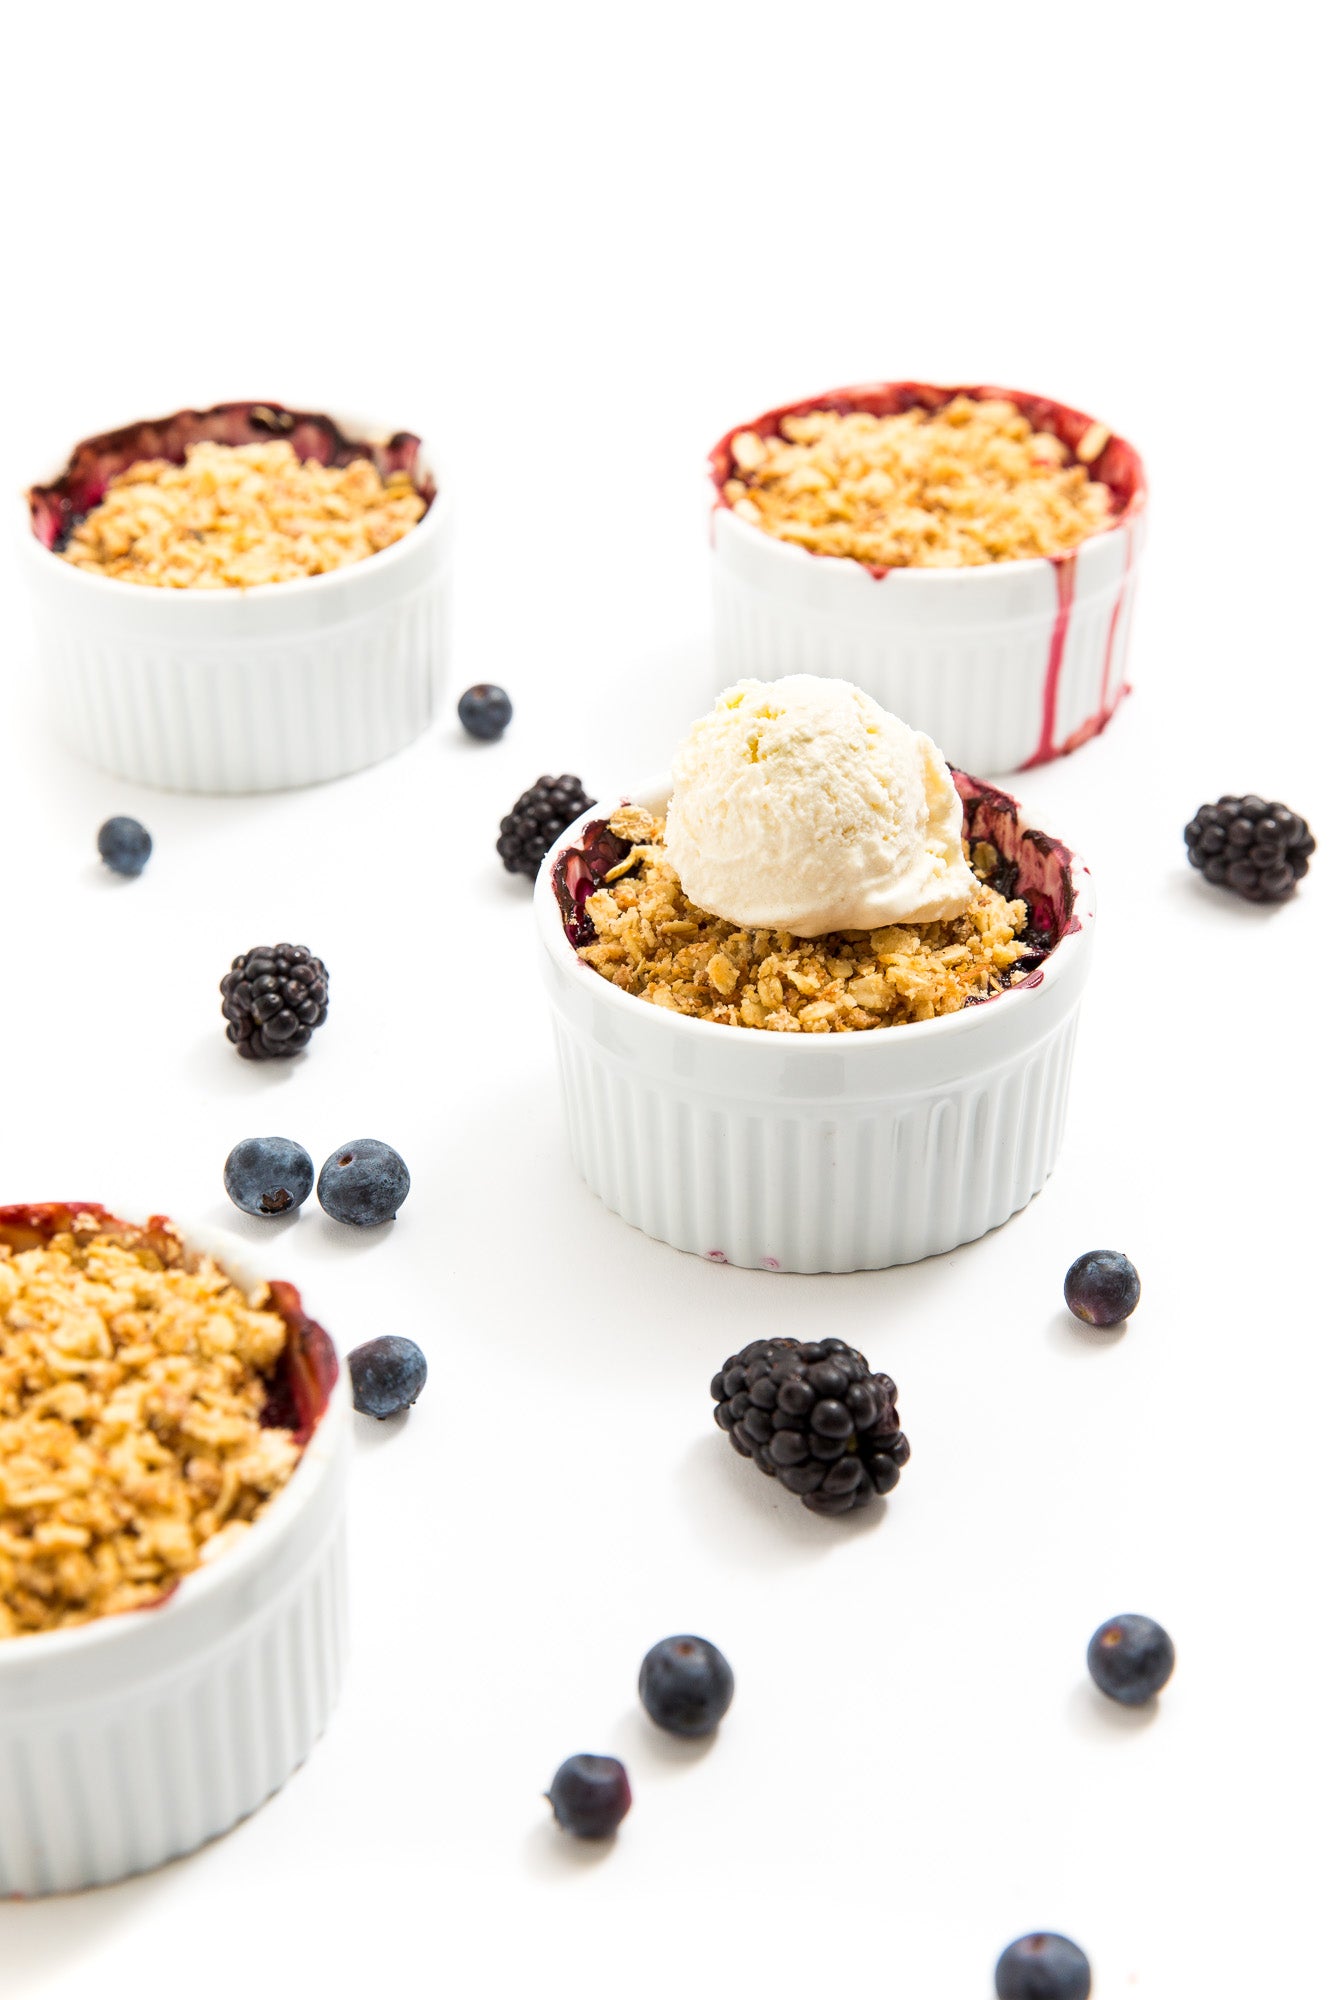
(51, 1934)
(1192, 892)
(344, 1238)
(1098, 1718)
(554, 1854)
(1074, 1337)
(256, 1229)
(640, 1744)
(372, 1433)
(723, 1493)
(211, 1062)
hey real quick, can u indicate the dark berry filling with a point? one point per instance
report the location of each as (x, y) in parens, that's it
(1030, 864)
(301, 1384)
(1117, 465)
(57, 509)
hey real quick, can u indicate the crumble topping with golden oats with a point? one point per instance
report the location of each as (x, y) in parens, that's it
(131, 1448)
(234, 516)
(653, 942)
(970, 483)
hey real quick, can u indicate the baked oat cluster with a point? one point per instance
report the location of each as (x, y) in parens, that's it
(234, 516)
(653, 942)
(132, 1382)
(970, 483)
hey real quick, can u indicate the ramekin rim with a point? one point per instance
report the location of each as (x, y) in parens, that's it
(435, 518)
(969, 575)
(903, 1034)
(848, 392)
(317, 1460)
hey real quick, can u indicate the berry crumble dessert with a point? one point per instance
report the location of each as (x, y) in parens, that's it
(149, 1410)
(906, 475)
(230, 498)
(819, 870)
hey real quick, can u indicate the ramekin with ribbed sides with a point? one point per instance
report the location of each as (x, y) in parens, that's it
(240, 689)
(820, 1152)
(134, 1738)
(1006, 664)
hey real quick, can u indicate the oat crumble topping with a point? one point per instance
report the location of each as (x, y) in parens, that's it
(970, 483)
(131, 1447)
(654, 943)
(234, 516)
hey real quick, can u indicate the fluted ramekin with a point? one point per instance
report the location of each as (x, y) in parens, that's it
(1005, 665)
(248, 690)
(134, 1739)
(838, 1152)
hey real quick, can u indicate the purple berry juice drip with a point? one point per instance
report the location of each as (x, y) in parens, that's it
(581, 870)
(57, 509)
(1117, 466)
(1031, 865)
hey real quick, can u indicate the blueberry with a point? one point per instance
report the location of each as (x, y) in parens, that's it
(124, 845)
(686, 1685)
(485, 711)
(387, 1374)
(1131, 1659)
(1044, 1966)
(1102, 1287)
(590, 1795)
(363, 1182)
(268, 1176)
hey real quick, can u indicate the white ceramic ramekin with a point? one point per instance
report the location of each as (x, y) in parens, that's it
(132, 1740)
(1005, 666)
(789, 1152)
(247, 690)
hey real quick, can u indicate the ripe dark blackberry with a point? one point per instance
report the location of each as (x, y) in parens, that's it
(811, 1413)
(274, 998)
(538, 819)
(1258, 847)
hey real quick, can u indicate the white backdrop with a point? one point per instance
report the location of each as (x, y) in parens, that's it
(576, 243)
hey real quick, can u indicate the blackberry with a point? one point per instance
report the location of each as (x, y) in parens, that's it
(590, 1795)
(811, 1413)
(1258, 847)
(485, 711)
(124, 845)
(274, 998)
(537, 820)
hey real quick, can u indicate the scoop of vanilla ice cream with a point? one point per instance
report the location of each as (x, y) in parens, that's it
(802, 805)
